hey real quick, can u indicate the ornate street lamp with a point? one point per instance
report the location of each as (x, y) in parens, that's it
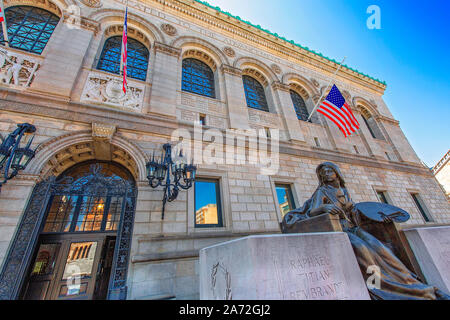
(12, 155)
(159, 174)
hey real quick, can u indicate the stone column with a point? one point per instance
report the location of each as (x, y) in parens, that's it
(64, 56)
(290, 120)
(235, 97)
(163, 98)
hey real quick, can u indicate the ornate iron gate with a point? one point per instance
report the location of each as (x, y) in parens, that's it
(23, 245)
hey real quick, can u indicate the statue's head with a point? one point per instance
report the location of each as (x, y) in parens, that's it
(328, 172)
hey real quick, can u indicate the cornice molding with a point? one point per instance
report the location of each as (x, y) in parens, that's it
(284, 49)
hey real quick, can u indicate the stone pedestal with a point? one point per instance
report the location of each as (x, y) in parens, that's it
(431, 247)
(316, 266)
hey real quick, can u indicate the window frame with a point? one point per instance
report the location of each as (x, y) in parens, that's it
(290, 196)
(211, 78)
(421, 207)
(258, 87)
(130, 66)
(220, 223)
(11, 36)
(303, 111)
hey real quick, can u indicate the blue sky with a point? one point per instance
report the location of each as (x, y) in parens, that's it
(410, 52)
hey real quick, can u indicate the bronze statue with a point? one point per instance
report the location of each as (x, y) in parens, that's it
(332, 197)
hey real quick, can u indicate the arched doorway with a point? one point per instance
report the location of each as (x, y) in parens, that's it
(81, 250)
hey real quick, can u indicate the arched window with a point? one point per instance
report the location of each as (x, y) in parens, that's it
(254, 93)
(299, 106)
(371, 125)
(198, 78)
(29, 28)
(137, 61)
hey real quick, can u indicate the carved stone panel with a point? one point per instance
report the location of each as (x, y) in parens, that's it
(17, 70)
(317, 266)
(106, 89)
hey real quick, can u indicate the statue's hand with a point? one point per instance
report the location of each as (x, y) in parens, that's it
(387, 219)
(349, 206)
(333, 209)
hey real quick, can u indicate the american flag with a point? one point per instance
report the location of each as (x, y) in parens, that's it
(2, 18)
(338, 111)
(124, 53)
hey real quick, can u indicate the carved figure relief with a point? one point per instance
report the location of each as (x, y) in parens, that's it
(106, 89)
(16, 69)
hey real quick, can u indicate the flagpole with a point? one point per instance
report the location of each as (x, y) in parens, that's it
(328, 86)
(121, 47)
(4, 27)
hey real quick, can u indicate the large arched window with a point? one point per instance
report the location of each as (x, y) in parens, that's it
(29, 28)
(254, 93)
(137, 61)
(198, 78)
(371, 125)
(299, 106)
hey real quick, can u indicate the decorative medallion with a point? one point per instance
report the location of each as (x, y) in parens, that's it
(276, 69)
(315, 83)
(229, 52)
(92, 3)
(169, 29)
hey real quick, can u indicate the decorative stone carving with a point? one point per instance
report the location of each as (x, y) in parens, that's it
(17, 70)
(103, 131)
(276, 69)
(202, 56)
(92, 3)
(78, 21)
(107, 89)
(229, 52)
(315, 83)
(256, 74)
(169, 29)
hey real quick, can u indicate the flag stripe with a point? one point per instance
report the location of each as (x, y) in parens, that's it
(344, 109)
(125, 52)
(329, 117)
(348, 117)
(336, 115)
(341, 114)
(351, 113)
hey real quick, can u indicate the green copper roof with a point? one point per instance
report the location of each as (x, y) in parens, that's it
(283, 38)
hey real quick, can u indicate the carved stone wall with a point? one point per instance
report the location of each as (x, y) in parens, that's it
(102, 88)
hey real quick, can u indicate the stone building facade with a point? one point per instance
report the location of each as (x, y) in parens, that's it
(442, 173)
(82, 116)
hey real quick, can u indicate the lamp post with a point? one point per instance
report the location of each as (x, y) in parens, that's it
(12, 155)
(159, 173)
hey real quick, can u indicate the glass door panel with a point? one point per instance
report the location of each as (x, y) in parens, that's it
(43, 272)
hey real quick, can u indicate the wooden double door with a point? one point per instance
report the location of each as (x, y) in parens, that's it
(71, 266)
